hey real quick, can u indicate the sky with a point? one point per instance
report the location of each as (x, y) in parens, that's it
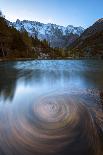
(61, 12)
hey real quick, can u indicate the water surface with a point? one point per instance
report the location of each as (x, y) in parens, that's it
(51, 107)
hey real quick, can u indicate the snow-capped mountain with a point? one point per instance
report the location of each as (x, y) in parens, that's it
(57, 36)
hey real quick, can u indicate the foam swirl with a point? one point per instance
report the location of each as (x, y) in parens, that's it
(54, 124)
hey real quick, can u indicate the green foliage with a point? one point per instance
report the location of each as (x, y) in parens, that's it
(15, 44)
(18, 44)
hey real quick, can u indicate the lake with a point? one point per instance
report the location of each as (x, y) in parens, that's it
(51, 107)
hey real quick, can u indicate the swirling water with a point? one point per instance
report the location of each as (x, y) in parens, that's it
(51, 107)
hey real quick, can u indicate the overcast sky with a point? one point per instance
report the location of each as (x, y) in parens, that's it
(63, 12)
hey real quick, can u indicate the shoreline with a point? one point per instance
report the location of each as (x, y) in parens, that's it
(33, 59)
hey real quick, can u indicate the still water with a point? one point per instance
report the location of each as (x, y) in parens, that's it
(51, 107)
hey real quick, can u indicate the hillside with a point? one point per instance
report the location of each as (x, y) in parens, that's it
(90, 43)
(18, 44)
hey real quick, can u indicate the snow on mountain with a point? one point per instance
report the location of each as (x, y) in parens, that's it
(55, 34)
(99, 20)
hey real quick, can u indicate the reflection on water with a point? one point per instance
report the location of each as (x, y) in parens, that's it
(51, 107)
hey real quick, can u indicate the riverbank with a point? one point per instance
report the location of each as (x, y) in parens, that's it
(17, 59)
(30, 59)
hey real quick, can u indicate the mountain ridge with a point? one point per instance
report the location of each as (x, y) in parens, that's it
(16, 44)
(56, 35)
(90, 43)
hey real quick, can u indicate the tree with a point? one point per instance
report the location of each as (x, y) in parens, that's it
(1, 14)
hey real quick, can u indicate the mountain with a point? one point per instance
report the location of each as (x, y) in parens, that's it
(57, 36)
(90, 43)
(18, 44)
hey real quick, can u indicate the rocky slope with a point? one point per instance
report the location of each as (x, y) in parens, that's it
(90, 43)
(57, 36)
